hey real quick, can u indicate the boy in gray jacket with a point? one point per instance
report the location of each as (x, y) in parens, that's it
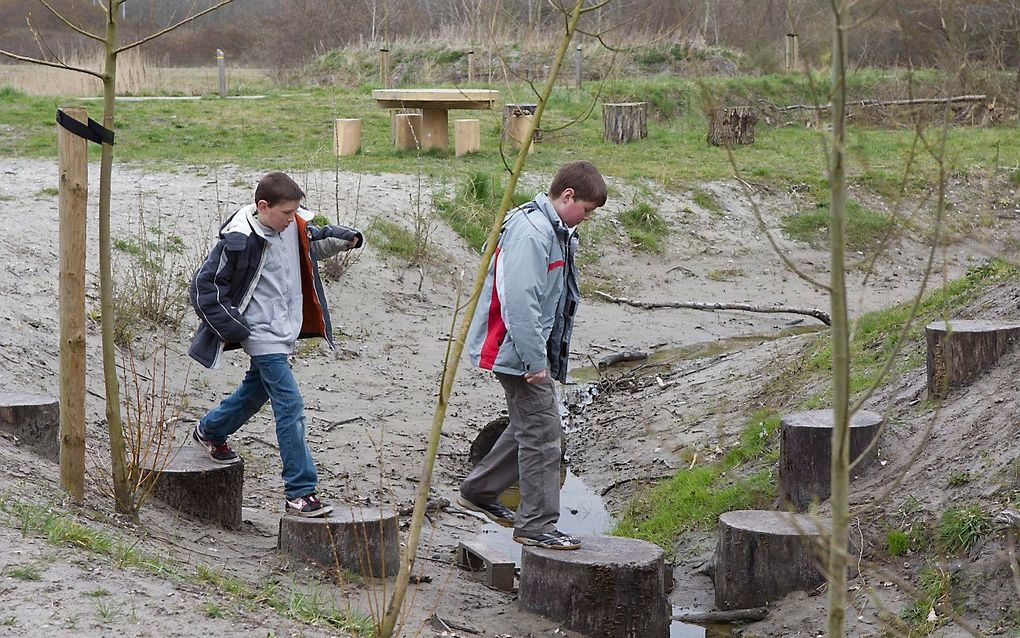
(521, 331)
(259, 290)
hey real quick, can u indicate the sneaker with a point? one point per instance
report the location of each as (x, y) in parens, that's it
(218, 452)
(308, 505)
(495, 512)
(550, 540)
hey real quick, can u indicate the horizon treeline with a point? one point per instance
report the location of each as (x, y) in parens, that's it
(284, 34)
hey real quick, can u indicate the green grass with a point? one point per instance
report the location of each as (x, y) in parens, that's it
(959, 529)
(706, 201)
(875, 334)
(694, 498)
(294, 131)
(471, 211)
(935, 586)
(897, 543)
(645, 227)
(394, 240)
(864, 227)
(23, 572)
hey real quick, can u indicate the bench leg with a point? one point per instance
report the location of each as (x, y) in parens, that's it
(435, 123)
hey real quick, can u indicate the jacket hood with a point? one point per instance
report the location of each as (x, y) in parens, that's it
(245, 221)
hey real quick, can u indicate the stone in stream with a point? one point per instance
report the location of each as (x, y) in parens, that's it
(611, 587)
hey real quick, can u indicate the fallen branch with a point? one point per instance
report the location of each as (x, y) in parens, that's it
(735, 615)
(920, 100)
(695, 305)
(621, 357)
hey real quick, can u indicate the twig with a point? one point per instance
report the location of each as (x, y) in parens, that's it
(659, 477)
(696, 305)
(920, 100)
(734, 615)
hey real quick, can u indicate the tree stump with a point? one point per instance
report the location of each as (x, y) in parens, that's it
(407, 131)
(761, 556)
(346, 136)
(518, 128)
(193, 484)
(625, 122)
(611, 587)
(364, 541)
(805, 453)
(960, 352)
(512, 111)
(34, 421)
(467, 136)
(730, 126)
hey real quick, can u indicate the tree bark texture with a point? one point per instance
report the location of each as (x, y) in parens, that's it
(761, 556)
(959, 352)
(731, 126)
(625, 122)
(611, 587)
(34, 420)
(805, 453)
(191, 483)
(360, 540)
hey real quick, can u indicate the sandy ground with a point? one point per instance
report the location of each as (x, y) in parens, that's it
(370, 402)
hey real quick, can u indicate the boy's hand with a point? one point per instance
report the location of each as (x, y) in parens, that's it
(535, 377)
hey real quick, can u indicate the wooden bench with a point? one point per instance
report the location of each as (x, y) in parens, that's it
(477, 556)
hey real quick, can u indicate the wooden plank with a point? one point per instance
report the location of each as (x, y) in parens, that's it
(477, 555)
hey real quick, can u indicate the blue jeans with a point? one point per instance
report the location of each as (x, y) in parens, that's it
(269, 379)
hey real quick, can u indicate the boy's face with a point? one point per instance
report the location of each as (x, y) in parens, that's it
(572, 211)
(278, 216)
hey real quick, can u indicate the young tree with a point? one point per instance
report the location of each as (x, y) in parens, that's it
(123, 495)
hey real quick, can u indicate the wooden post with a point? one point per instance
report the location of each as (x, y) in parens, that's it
(71, 200)
(346, 137)
(512, 111)
(220, 64)
(435, 129)
(467, 136)
(471, 66)
(384, 67)
(625, 122)
(577, 67)
(730, 126)
(520, 124)
(407, 131)
(792, 53)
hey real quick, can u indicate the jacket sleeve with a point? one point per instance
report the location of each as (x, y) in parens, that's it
(520, 282)
(210, 289)
(330, 240)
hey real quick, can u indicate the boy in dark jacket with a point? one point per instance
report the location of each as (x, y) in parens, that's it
(259, 290)
(521, 331)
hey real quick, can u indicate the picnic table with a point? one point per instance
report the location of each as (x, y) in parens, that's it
(435, 105)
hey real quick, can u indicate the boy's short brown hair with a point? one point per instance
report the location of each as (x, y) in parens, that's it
(278, 187)
(584, 178)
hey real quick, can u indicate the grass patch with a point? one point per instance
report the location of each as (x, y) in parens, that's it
(694, 498)
(864, 227)
(645, 227)
(394, 240)
(49, 191)
(470, 212)
(960, 529)
(23, 572)
(897, 543)
(706, 201)
(934, 586)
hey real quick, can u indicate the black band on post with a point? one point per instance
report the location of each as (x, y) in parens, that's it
(93, 131)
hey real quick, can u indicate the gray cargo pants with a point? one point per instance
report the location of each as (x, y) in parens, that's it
(528, 451)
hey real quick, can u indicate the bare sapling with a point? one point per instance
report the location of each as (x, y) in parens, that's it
(123, 494)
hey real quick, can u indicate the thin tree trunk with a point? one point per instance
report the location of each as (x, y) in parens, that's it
(122, 492)
(840, 329)
(456, 346)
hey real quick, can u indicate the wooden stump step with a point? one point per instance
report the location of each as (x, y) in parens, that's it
(625, 122)
(761, 556)
(361, 540)
(346, 136)
(732, 125)
(960, 350)
(467, 136)
(610, 587)
(34, 421)
(407, 131)
(499, 568)
(193, 484)
(805, 452)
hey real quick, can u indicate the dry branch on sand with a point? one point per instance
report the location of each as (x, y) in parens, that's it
(696, 305)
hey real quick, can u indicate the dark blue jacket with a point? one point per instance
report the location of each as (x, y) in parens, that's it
(224, 283)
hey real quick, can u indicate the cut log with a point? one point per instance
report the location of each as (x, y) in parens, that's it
(625, 122)
(407, 131)
(34, 421)
(192, 483)
(805, 453)
(761, 556)
(610, 587)
(731, 126)
(517, 130)
(511, 111)
(346, 136)
(361, 540)
(467, 136)
(960, 351)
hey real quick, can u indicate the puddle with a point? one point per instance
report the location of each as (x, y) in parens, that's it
(700, 350)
